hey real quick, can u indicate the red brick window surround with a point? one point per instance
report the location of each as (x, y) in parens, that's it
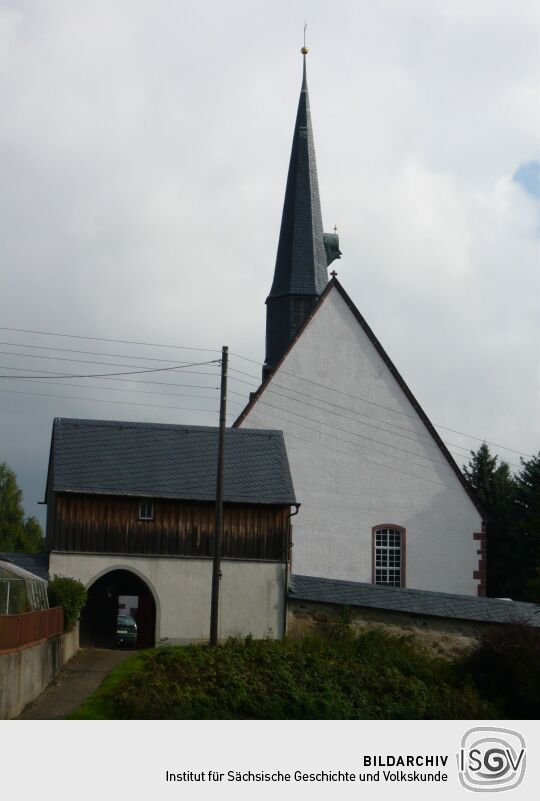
(388, 555)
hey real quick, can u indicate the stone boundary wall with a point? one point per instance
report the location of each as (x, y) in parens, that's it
(24, 674)
(447, 637)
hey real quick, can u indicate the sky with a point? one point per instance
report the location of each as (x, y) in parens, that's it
(144, 148)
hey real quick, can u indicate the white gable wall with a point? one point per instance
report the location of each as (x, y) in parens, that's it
(364, 465)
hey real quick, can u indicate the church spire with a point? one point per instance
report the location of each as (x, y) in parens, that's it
(304, 252)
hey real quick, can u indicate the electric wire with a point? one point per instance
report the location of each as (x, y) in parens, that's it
(429, 438)
(239, 356)
(86, 352)
(355, 434)
(107, 375)
(105, 400)
(105, 339)
(368, 461)
(119, 389)
(372, 403)
(114, 380)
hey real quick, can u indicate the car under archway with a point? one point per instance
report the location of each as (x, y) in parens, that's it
(113, 599)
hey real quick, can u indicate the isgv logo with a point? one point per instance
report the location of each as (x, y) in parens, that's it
(491, 759)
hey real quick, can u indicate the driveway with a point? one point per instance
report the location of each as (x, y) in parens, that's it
(75, 682)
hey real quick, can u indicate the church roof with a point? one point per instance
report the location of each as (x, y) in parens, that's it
(334, 284)
(419, 602)
(301, 263)
(168, 461)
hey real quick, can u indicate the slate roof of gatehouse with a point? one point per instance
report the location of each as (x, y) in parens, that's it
(168, 461)
(419, 602)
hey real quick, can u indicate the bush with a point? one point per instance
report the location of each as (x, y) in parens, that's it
(338, 676)
(505, 669)
(71, 595)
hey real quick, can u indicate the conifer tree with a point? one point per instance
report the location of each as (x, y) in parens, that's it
(495, 489)
(528, 502)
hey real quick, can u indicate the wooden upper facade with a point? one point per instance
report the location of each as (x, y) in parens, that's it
(112, 524)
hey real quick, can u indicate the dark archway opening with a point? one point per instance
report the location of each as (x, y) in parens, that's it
(118, 592)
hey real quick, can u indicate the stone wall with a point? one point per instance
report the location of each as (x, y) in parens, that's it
(24, 674)
(447, 637)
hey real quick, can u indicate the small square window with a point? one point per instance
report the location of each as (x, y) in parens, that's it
(146, 510)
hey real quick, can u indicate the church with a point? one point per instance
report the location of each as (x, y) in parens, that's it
(338, 489)
(383, 501)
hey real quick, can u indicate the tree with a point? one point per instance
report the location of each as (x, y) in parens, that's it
(17, 533)
(528, 503)
(507, 551)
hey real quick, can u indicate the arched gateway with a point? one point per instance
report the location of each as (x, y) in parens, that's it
(118, 592)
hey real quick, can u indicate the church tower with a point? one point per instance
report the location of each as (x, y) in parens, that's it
(304, 252)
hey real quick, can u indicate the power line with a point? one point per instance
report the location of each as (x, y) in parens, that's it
(254, 378)
(107, 375)
(428, 436)
(117, 389)
(429, 443)
(116, 380)
(373, 403)
(104, 339)
(103, 400)
(356, 434)
(87, 352)
(368, 461)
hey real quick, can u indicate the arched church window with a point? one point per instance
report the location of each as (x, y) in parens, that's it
(389, 555)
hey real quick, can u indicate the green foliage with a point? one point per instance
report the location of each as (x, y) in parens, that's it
(528, 502)
(511, 507)
(16, 532)
(336, 677)
(505, 670)
(71, 595)
(98, 705)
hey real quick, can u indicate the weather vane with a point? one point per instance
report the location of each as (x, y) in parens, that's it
(304, 50)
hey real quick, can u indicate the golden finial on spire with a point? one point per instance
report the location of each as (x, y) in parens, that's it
(304, 50)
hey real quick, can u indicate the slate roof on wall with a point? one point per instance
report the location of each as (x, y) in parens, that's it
(168, 461)
(419, 602)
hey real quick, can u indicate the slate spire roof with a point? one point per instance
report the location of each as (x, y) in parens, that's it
(304, 251)
(301, 264)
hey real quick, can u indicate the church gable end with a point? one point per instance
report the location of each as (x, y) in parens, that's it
(363, 451)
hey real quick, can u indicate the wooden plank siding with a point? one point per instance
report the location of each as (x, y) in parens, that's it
(110, 524)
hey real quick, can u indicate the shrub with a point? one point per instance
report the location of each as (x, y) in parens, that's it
(338, 676)
(505, 669)
(71, 595)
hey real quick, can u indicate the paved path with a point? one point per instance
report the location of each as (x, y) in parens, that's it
(75, 682)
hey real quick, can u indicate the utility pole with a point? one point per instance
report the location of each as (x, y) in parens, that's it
(218, 528)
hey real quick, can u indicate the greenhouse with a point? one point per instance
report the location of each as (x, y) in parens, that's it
(20, 591)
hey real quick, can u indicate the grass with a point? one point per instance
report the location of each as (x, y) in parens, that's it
(339, 676)
(98, 705)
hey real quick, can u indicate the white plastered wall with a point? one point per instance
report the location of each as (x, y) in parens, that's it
(360, 463)
(251, 593)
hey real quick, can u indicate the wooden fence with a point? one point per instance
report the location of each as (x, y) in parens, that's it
(19, 631)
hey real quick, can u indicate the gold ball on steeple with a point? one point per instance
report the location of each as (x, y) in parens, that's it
(304, 51)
